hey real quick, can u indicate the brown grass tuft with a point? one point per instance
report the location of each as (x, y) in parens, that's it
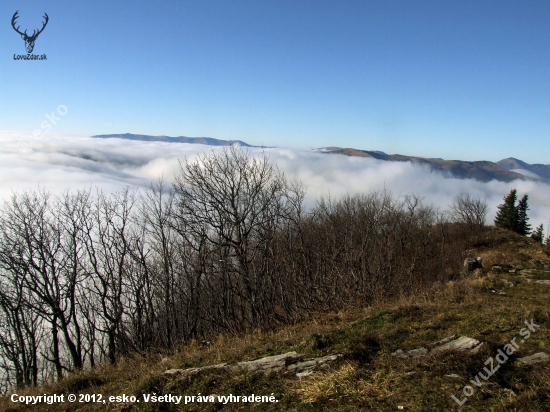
(346, 382)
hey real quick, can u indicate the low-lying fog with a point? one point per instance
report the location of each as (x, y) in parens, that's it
(60, 162)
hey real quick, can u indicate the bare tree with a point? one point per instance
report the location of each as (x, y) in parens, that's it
(109, 251)
(469, 210)
(230, 205)
(36, 248)
(20, 333)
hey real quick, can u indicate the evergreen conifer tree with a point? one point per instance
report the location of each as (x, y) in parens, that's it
(523, 227)
(538, 234)
(507, 214)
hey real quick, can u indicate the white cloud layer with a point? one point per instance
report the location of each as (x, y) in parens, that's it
(57, 163)
(526, 173)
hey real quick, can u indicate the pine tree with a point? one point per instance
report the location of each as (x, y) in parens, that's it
(522, 226)
(538, 234)
(507, 214)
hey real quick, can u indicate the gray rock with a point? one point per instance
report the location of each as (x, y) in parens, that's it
(305, 373)
(506, 282)
(502, 267)
(540, 282)
(413, 353)
(193, 371)
(290, 362)
(274, 363)
(443, 341)
(461, 344)
(535, 358)
(308, 365)
(471, 264)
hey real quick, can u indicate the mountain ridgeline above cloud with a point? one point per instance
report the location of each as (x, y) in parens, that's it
(179, 139)
(505, 170)
(536, 170)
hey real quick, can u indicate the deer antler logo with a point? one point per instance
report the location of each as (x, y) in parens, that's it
(29, 40)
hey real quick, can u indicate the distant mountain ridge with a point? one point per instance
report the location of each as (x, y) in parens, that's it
(540, 170)
(505, 170)
(179, 139)
(483, 171)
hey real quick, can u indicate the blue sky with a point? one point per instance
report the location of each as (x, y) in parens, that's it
(465, 80)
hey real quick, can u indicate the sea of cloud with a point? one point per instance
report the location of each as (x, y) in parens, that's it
(57, 163)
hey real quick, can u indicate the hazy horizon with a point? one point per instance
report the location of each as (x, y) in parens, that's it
(458, 80)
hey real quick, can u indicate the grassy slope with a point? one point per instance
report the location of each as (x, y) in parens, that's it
(367, 378)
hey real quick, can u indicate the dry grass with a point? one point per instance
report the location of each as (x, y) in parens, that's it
(368, 377)
(345, 383)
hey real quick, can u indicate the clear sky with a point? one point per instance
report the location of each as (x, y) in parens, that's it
(465, 80)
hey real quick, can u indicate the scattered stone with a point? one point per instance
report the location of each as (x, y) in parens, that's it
(498, 292)
(526, 272)
(506, 282)
(413, 353)
(502, 267)
(471, 264)
(540, 282)
(535, 358)
(461, 344)
(306, 367)
(274, 363)
(193, 371)
(443, 341)
(290, 362)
